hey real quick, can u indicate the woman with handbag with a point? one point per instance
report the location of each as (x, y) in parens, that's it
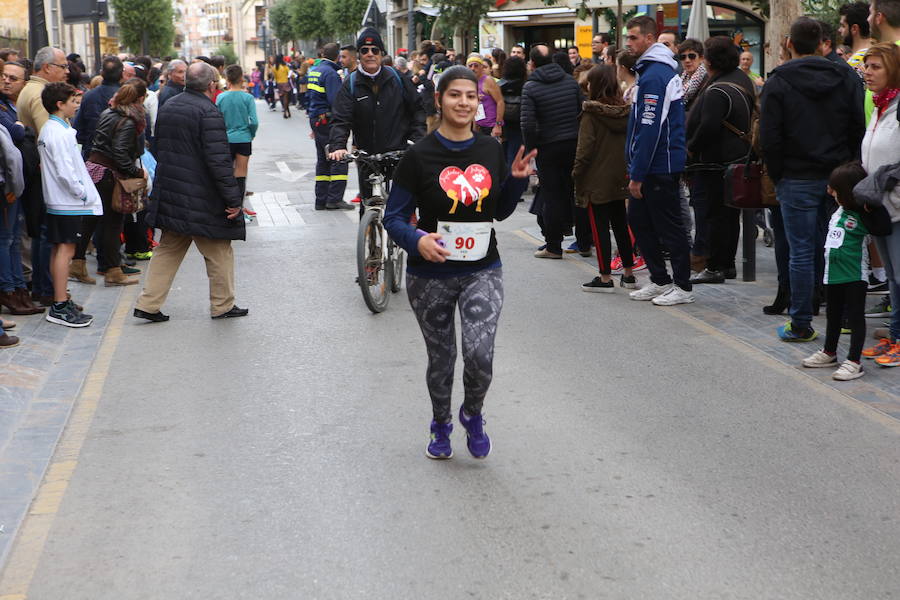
(721, 111)
(116, 171)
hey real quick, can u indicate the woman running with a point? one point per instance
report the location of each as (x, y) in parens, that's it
(457, 179)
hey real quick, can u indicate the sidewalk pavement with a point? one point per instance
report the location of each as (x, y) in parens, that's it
(40, 380)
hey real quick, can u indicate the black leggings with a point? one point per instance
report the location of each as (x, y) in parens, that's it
(846, 300)
(109, 229)
(604, 216)
(479, 298)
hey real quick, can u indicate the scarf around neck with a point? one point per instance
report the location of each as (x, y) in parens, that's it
(883, 98)
(135, 112)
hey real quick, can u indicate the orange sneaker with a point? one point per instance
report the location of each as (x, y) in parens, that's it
(891, 358)
(882, 347)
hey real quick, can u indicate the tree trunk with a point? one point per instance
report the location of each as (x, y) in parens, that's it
(781, 14)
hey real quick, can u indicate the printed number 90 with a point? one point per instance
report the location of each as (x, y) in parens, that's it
(467, 243)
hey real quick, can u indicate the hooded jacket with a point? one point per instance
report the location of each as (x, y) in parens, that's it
(599, 172)
(812, 118)
(551, 102)
(383, 112)
(656, 143)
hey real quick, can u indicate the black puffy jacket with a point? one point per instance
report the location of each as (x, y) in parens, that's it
(194, 181)
(382, 113)
(117, 139)
(551, 103)
(812, 118)
(730, 98)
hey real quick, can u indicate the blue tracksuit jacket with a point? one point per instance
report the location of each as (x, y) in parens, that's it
(656, 141)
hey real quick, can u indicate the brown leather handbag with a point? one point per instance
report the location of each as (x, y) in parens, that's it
(129, 195)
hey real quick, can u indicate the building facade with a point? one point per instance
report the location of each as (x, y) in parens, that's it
(528, 22)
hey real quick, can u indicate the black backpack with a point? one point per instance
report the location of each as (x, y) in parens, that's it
(513, 111)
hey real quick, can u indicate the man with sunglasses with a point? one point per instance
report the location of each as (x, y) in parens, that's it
(376, 104)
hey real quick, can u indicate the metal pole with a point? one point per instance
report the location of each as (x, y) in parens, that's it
(411, 27)
(96, 26)
(748, 217)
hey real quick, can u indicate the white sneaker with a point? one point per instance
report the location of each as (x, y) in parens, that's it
(848, 370)
(650, 291)
(675, 295)
(820, 359)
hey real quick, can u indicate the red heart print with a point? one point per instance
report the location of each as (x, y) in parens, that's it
(466, 187)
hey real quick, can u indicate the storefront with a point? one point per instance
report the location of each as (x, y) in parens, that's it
(529, 22)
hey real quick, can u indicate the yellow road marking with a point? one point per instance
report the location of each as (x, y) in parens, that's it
(32, 537)
(858, 406)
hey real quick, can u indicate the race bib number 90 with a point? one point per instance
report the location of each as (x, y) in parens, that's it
(465, 241)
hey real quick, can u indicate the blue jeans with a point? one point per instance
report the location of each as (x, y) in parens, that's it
(804, 210)
(41, 283)
(11, 277)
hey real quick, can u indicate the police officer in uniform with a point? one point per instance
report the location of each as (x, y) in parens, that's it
(323, 85)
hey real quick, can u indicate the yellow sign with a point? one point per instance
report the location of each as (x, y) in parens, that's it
(583, 36)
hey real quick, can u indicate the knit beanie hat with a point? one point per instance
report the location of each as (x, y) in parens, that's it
(370, 37)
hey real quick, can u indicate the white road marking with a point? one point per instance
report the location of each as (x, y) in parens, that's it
(273, 209)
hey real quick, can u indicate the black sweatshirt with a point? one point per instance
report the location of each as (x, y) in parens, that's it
(450, 181)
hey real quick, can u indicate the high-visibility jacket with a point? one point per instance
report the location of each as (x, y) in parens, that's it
(323, 84)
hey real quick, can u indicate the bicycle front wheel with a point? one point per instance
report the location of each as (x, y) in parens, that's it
(372, 263)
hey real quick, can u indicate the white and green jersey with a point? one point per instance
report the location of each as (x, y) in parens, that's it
(845, 249)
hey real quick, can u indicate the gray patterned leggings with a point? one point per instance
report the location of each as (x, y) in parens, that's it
(480, 298)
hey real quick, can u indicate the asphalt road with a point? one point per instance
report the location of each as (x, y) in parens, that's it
(637, 453)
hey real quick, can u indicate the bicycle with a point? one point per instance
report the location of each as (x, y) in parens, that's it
(379, 260)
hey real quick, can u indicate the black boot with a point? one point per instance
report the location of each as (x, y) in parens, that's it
(781, 303)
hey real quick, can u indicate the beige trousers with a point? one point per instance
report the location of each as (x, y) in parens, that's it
(167, 258)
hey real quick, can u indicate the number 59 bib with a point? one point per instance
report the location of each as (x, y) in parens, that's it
(466, 241)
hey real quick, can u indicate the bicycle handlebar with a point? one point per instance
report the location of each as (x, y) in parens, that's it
(362, 156)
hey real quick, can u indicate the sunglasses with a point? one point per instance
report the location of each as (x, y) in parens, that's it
(370, 50)
(688, 56)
